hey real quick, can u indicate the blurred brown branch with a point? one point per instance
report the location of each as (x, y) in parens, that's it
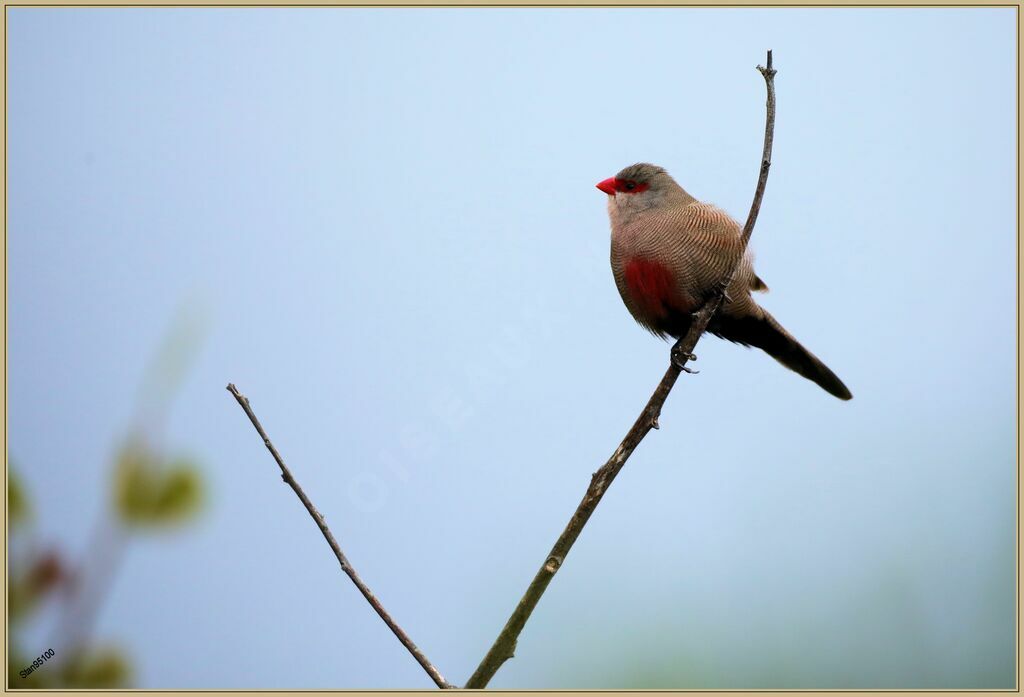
(151, 488)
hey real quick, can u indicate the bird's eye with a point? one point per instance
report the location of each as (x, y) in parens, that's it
(628, 186)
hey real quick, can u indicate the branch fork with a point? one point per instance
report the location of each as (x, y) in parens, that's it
(682, 353)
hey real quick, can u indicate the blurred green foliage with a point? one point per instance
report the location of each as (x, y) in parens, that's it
(18, 511)
(34, 577)
(150, 490)
(98, 668)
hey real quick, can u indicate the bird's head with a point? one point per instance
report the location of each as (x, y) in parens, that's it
(639, 187)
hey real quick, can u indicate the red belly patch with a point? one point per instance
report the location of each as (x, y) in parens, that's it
(652, 287)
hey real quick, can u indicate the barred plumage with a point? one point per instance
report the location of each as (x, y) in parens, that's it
(668, 254)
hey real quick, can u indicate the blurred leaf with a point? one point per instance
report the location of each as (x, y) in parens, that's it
(97, 669)
(149, 493)
(132, 475)
(18, 508)
(25, 589)
(16, 662)
(181, 493)
(20, 598)
(48, 570)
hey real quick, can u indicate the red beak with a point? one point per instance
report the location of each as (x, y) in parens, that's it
(607, 186)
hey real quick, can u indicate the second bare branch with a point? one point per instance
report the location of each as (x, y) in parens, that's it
(286, 475)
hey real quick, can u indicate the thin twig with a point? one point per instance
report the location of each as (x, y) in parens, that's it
(286, 475)
(682, 352)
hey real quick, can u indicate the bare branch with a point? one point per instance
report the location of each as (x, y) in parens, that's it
(286, 474)
(682, 352)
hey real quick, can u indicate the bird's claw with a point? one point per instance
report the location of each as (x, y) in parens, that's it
(691, 371)
(680, 357)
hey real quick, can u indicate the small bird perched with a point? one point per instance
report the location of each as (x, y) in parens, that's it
(670, 252)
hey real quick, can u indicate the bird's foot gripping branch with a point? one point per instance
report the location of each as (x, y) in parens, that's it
(645, 277)
(682, 352)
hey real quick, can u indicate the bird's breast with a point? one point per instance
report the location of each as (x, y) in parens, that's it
(653, 288)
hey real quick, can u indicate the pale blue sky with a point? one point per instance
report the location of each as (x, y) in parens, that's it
(389, 216)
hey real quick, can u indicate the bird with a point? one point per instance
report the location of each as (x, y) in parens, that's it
(670, 253)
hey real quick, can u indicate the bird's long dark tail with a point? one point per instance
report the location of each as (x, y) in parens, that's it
(767, 334)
